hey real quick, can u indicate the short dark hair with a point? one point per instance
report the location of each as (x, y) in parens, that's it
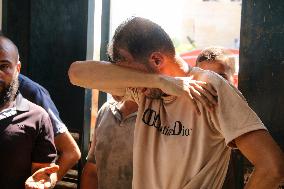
(140, 37)
(216, 53)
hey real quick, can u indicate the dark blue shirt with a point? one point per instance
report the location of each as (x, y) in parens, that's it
(40, 96)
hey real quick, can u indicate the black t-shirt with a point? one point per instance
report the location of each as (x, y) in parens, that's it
(26, 136)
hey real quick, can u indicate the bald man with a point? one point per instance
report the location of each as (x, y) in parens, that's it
(26, 135)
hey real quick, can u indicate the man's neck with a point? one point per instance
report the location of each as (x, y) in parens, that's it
(128, 108)
(177, 68)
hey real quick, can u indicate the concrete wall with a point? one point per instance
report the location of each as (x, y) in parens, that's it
(51, 35)
(212, 22)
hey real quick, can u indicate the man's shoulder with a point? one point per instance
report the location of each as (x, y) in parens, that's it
(108, 106)
(206, 76)
(31, 114)
(30, 87)
(24, 104)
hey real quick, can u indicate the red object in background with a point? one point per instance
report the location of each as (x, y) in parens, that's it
(191, 56)
(236, 80)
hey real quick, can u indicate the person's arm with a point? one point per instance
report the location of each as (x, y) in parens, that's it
(106, 76)
(115, 79)
(68, 151)
(67, 148)
(43, 176)
(242, 128)
(263, 152)
(89, 177)
(43, 155)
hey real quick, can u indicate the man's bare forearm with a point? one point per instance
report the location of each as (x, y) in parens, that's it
(69, 153)
(104, 75)
(65, 163)
(115, 79)
(262, 180)
(89, 177)
(266, 156)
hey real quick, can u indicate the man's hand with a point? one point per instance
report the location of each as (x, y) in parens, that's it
(43, 178)
(192, 89)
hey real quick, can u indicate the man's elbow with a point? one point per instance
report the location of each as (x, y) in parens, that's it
(73, 73)
(278, 170)
(74, 155)
(275, 169)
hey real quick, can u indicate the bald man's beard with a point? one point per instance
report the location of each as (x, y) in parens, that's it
(8, 92)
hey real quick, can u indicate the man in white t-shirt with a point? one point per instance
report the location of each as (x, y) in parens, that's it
(175, 146)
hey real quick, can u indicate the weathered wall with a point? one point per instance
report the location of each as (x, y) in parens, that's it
(261, 76)
(50, 36)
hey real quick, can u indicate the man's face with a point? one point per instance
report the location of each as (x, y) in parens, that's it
(130, 62)
(218, 68)
(9, 70)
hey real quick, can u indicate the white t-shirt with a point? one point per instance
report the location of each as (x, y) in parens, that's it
(174, 148)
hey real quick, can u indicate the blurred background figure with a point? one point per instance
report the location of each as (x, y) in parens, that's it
(67, 149)
(109, 162)
(218, 60)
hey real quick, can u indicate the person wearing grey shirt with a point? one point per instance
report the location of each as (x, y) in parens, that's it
(109, 161)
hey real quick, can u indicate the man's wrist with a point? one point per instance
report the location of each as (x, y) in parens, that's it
(162, 81)
(158, 81)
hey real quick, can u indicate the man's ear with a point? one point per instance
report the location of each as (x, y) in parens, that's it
(156, 59)
(19, 64)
